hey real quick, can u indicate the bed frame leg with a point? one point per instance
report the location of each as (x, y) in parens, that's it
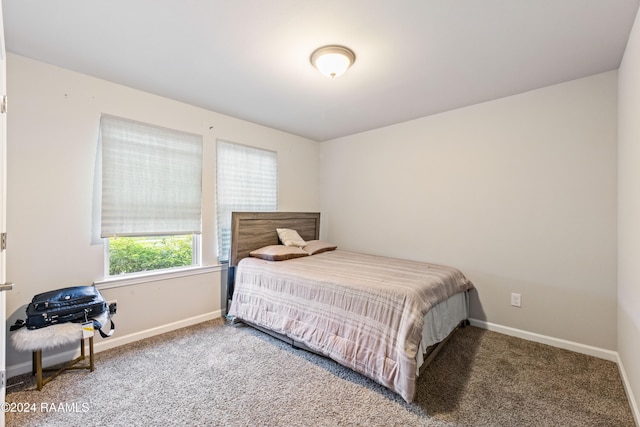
(231, 320)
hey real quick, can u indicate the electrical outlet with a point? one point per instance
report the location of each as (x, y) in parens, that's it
(113, 306)
(516, 300)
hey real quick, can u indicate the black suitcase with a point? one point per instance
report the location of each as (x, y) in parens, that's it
(74, 304)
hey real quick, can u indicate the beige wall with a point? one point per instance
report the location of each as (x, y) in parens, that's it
(519, 193)
(52, 141)
(629, 215)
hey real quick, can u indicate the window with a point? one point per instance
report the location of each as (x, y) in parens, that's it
(247, 181)
(138, 254)
(151, 196)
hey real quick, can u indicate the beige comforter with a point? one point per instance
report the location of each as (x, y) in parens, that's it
(365, 312)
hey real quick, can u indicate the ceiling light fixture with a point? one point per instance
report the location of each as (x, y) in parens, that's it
(333, 60)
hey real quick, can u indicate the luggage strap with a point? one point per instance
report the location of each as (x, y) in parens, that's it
(97, 325)
(19, 324)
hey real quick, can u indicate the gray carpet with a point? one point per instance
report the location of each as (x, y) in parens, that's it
(218, 374)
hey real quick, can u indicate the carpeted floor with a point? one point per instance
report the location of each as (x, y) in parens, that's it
(218, 374)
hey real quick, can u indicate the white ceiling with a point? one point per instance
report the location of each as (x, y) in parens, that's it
(250, 58)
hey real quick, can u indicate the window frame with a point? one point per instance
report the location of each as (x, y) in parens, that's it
(149, 135)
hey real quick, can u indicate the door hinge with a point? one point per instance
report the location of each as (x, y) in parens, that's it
(3, 241)
(3, 104)
(3, 378)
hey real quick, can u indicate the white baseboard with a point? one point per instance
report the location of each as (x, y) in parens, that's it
(112, 342)
(543, 339)
(627, 388)
(127, 339)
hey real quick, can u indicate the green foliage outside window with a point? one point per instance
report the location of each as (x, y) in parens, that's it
(136, 254)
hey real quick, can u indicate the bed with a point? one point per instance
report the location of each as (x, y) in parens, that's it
(385, 318)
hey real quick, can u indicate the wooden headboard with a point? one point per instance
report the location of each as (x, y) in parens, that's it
(253, 230)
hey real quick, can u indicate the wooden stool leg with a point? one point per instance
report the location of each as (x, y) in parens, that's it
(38, 357)
(90, 354)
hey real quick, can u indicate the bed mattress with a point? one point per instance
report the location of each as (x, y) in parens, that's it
(365, 312)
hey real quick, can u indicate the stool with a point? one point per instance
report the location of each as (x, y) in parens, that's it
(36, 340)
(37, 368)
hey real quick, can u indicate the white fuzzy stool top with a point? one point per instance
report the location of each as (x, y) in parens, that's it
(51, 336)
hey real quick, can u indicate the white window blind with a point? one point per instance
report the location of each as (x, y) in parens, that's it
(246, 181)
(151, 179)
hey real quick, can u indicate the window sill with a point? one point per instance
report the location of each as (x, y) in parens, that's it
(117, 282)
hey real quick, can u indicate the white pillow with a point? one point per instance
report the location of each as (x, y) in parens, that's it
(290, 237)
